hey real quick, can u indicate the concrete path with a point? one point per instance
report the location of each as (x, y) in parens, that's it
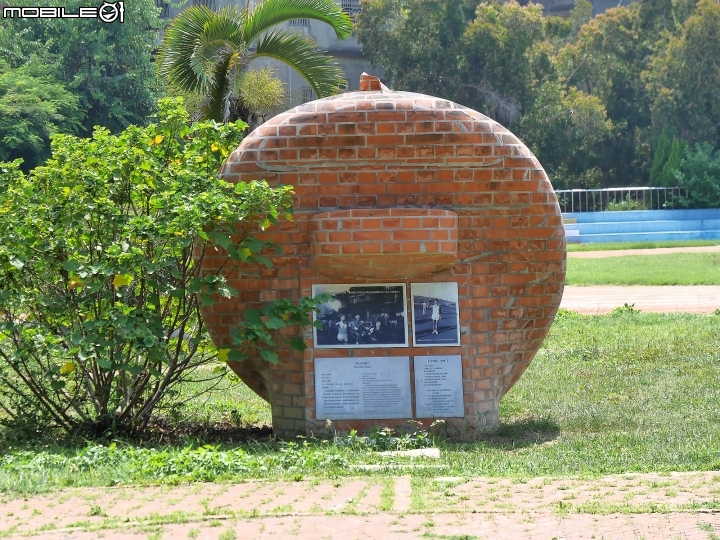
(630, 506)
(600, 299)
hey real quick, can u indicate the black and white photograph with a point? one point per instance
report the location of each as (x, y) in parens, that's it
(436, 318)
(360, 316)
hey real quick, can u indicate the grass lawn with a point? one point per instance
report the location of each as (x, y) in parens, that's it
(606, 246)
(669, 269)
(626, 392)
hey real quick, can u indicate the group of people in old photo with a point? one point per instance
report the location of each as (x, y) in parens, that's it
(375, 315)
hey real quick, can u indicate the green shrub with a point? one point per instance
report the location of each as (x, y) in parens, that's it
(699, 174)
(100, 282)
(624, 204)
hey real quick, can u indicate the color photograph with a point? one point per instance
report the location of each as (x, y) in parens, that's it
(362, 316)
(436, 318)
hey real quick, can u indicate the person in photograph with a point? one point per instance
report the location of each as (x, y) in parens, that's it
(435, 316)
(357, 327)
(342, 335)
(425, 306)
(368, 331)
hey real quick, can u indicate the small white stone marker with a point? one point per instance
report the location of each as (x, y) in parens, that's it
(433, 453)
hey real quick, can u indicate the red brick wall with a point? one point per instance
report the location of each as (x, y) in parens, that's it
(409, 188)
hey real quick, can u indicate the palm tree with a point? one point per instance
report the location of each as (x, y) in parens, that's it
(208, 53)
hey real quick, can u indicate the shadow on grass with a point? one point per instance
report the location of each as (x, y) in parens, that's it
(522, 432)
(161, 432)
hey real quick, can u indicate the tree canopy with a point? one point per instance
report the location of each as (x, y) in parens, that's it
(70, 65)
(590, 96)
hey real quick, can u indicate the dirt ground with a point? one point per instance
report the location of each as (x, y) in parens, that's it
(639, 252)
(632, 506)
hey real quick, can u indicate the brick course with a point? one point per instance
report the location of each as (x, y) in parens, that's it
(402, 187)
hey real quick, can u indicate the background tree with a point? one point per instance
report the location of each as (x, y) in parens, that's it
(497, 62)
(567, 129)
(660, 157)
(33, 106)
(590, 96)
(675, 156)
(684, 79)
(418, 43)
(107, 66)
(209, 53)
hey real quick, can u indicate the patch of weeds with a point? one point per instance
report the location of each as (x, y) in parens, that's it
(701, 505)
(283, 509)
(706, 527)
(429, 534)
(625, 308)
(387, 494)
(229, 534)
(176, 517)
(155, 535)
(96, 510)
(387, 439)
(315, 509)
(193, 533)
(215, 511)
(7, 533)
(600, 508)
(79, 524)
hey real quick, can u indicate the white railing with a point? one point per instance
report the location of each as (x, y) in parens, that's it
(628, 198)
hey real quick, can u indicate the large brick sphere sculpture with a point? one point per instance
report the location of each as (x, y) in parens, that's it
(402, 187)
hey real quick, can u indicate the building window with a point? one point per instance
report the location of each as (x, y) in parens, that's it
(351, 7)
(307, 94)
(164, 9)
(300, 22)
(210, 4)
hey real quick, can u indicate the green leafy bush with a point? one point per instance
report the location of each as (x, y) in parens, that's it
(699, 174)
(624, 205)
(100, 282)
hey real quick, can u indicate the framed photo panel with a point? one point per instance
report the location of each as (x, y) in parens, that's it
(362, 316)
(435, 313)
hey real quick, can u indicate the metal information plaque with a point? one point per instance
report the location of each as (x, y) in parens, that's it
(438, 386)
(362, 388)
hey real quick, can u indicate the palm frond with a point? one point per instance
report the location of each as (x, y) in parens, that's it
(193, 43)
(273, 12)
(301, 53)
